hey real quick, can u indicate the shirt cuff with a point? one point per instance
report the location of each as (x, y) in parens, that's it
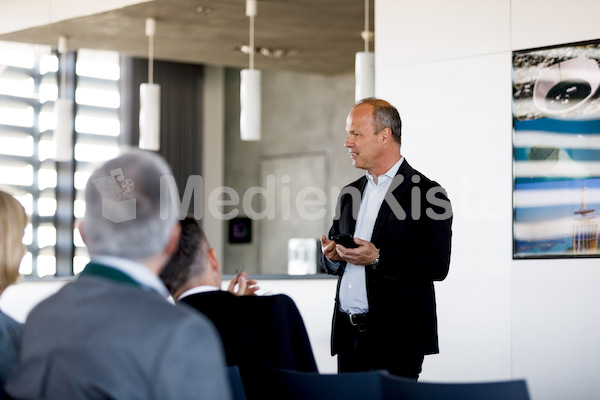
(332, 266)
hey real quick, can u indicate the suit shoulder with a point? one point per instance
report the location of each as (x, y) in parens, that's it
(353, 188)
(283, 298)
(357, 183)
(208, 299)
(426, 182)
(184, 318)
(265, 303)
(282, 302)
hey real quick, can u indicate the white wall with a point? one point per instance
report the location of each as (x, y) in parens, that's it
(455, 134)
(447, 67)
(314, 298)
(17, 300)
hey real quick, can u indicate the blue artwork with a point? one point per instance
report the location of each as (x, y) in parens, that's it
(556, 150)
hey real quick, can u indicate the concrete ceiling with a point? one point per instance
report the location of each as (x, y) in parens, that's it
(321, 36)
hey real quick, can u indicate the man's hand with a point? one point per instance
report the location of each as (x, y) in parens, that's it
(364, 254)
(246, 287)
(328, 247)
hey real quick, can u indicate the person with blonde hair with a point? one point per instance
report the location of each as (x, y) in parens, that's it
(13, 221)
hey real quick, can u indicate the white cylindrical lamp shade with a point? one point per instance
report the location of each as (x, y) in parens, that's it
(63, 133)
(251, 8)
(150, 116)
(250, 104)
(365, 75)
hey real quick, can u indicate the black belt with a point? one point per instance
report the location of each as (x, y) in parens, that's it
(357, 319)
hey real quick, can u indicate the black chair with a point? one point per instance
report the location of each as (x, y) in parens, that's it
(237, 387)
(394, 387)
(294, 385)
(4, 395)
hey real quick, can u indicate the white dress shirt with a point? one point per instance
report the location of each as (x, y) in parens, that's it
(353, 288)
(198, 289)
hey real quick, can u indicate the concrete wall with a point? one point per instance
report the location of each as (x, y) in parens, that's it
(23, 14)
(303, 116)
(213, 161)
(447, 67)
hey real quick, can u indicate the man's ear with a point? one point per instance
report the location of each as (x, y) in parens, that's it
(173, 243)
(386, 135)
(212, 259)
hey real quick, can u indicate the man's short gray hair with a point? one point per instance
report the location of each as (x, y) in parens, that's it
(134, 177)
(385, 115)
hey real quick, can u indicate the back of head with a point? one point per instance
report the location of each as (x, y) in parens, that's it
(13, 221)
(189, 261)
(129, 214)
(385, 115)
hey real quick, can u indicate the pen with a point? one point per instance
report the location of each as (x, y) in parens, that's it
(239, 272)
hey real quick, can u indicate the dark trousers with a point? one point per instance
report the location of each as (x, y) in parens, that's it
(360, 354)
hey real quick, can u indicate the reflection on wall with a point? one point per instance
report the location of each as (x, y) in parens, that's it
(303, 115)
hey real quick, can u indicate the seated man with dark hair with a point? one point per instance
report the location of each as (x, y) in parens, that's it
(255, 330)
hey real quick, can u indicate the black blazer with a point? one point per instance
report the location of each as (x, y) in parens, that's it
(414, 252)
(258, 330)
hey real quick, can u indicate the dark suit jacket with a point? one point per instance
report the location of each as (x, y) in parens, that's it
(414, 252)
(257, 330)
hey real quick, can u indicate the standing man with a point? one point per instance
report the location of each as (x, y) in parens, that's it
(385, 312)
(112, 334)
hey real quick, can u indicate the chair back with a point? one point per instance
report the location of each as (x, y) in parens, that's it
(394, 387)
(294, 385)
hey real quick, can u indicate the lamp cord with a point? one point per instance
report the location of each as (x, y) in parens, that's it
(151, 59)
(62, 51)
(366, 38)
(251, 52)
(63, 76)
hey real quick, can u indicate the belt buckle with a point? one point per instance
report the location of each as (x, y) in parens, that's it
(352, 317)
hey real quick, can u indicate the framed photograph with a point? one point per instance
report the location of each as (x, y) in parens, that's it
(556, 151)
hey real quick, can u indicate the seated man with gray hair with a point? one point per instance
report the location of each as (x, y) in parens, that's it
(111, 334)
(257, 331)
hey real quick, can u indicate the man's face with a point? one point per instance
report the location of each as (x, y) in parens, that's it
(362, 141)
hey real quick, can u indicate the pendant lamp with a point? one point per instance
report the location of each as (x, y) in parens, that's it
(150, 99)
(63, 111)
(250, 123)
(365, 64)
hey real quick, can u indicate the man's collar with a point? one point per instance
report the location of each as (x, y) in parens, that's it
(137, 271)
(198, 289)
(391, 173)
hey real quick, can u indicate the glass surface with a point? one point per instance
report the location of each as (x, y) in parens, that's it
(98, 125)
(16, 175)
(28, 90)
(16, 145)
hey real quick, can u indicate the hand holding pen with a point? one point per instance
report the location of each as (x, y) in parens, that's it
(246, 287)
